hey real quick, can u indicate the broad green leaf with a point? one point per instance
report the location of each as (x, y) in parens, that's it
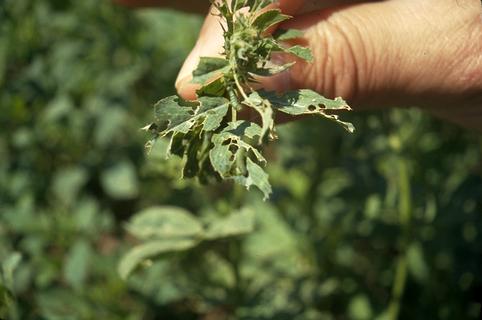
(416, 262)
(151, 249)
(77, 263)
(120, 181)
(287, 34)
(306, 101)
(269, 18)
(68, 182)
(8, 268)
(360, 308)
(208, 67)
(58, 108)
(236, 224)
(164, 222)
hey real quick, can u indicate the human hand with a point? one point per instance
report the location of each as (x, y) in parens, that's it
(424, 53)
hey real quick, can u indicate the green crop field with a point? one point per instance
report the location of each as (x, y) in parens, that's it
(385, 223)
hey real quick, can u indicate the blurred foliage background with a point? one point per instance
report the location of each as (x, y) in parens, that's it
(382, 224)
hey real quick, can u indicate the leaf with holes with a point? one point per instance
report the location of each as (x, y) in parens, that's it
(207, 133)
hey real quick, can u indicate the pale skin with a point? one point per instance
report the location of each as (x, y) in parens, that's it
(375, 54)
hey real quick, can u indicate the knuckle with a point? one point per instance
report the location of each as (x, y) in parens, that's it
(340, 63)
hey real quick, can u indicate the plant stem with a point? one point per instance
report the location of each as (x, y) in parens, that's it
(405, 215)
(238, 85)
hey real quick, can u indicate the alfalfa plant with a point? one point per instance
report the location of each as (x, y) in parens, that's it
(214, 141)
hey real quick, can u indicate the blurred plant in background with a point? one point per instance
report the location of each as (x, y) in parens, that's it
(383, 224)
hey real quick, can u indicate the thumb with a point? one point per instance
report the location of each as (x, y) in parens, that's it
(392, 52)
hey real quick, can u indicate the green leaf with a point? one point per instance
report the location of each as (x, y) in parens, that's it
(9, 265)
(271, 69)
(416, 262)
(256, 177)
(209, 67)
(260, 4)
(230, 148)
(191, 165)
(222, 159)
(301, 52)
(164, 222)
(234, 158)
(360, 308)
(151, 249)
(269, 18)
(176, 115)
(213, 110)
(68, 182)
(120, 181)
(263, 107)
(211, 146)
(77, 264)
(4, 45)
(215, 88)
(287, 34)
(236, 224)
(297, 50)
(304, 101)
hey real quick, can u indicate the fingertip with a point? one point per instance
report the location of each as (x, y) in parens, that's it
(186, 89)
